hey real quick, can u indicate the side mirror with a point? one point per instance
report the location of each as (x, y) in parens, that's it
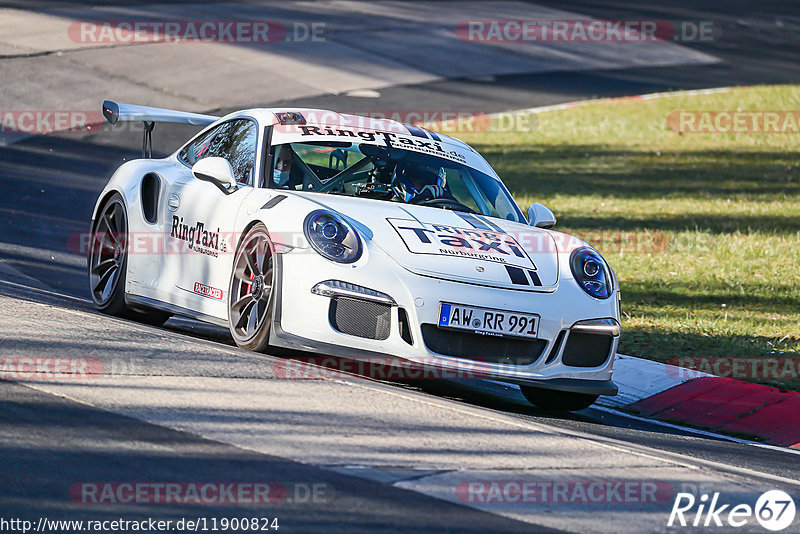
(218, 171)
(541, 216)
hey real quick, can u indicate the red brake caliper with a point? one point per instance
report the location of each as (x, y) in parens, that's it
(249, 286)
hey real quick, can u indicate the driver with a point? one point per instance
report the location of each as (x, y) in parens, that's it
(415, 185)
(282, 172)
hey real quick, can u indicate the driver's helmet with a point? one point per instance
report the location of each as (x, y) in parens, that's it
(408, 182)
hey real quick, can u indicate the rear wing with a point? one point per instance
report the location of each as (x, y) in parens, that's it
(115, 112)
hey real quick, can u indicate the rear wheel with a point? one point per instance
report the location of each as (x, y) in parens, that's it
(251, 298)
(550, 399)
(108, 262)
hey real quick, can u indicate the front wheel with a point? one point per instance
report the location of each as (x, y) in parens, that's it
(550, 399)
(251, 298)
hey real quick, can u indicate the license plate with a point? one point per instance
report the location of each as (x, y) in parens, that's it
(488, 321)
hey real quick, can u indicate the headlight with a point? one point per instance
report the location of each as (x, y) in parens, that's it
(331, 236)
(591, 272)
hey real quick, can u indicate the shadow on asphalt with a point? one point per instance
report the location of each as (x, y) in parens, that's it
(59, 456)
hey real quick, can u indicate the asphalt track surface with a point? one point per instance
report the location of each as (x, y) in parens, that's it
(102, 443)
(48, 188)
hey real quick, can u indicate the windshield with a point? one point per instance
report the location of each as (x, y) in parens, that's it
(389, 173)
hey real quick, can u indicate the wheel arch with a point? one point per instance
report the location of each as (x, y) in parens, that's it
(247, 227)
(103, 200)
(261, 340)
(258, 218)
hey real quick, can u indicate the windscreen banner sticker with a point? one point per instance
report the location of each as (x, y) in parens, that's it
(346, 133)
(473, 243)
(424, 146)
(406, 142)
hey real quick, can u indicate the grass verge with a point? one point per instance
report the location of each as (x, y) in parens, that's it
(703, 230)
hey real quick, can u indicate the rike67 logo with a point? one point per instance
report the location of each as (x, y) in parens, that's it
(774, 510)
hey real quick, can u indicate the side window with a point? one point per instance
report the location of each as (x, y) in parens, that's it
(233, 140)
(197, 148)
(239, 149)
(308, 166)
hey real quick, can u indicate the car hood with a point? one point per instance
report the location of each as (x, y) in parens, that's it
(453, 245)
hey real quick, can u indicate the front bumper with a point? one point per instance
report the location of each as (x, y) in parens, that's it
(302, 321)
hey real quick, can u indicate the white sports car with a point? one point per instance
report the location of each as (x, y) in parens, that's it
(348, 236)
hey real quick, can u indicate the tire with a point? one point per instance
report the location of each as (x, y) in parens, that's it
(150, 316)
(251, 298)
(108, 262)
(550, 399)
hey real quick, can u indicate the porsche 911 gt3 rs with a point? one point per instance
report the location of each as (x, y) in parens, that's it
(348, 236)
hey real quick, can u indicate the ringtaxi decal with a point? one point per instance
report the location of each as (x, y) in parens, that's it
(774, 510)
(415, 144)
(198, 238)
(474, 243)
(433, 148)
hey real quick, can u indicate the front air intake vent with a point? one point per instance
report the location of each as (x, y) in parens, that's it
(371, 320)
(510, 351)
(587, 350)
